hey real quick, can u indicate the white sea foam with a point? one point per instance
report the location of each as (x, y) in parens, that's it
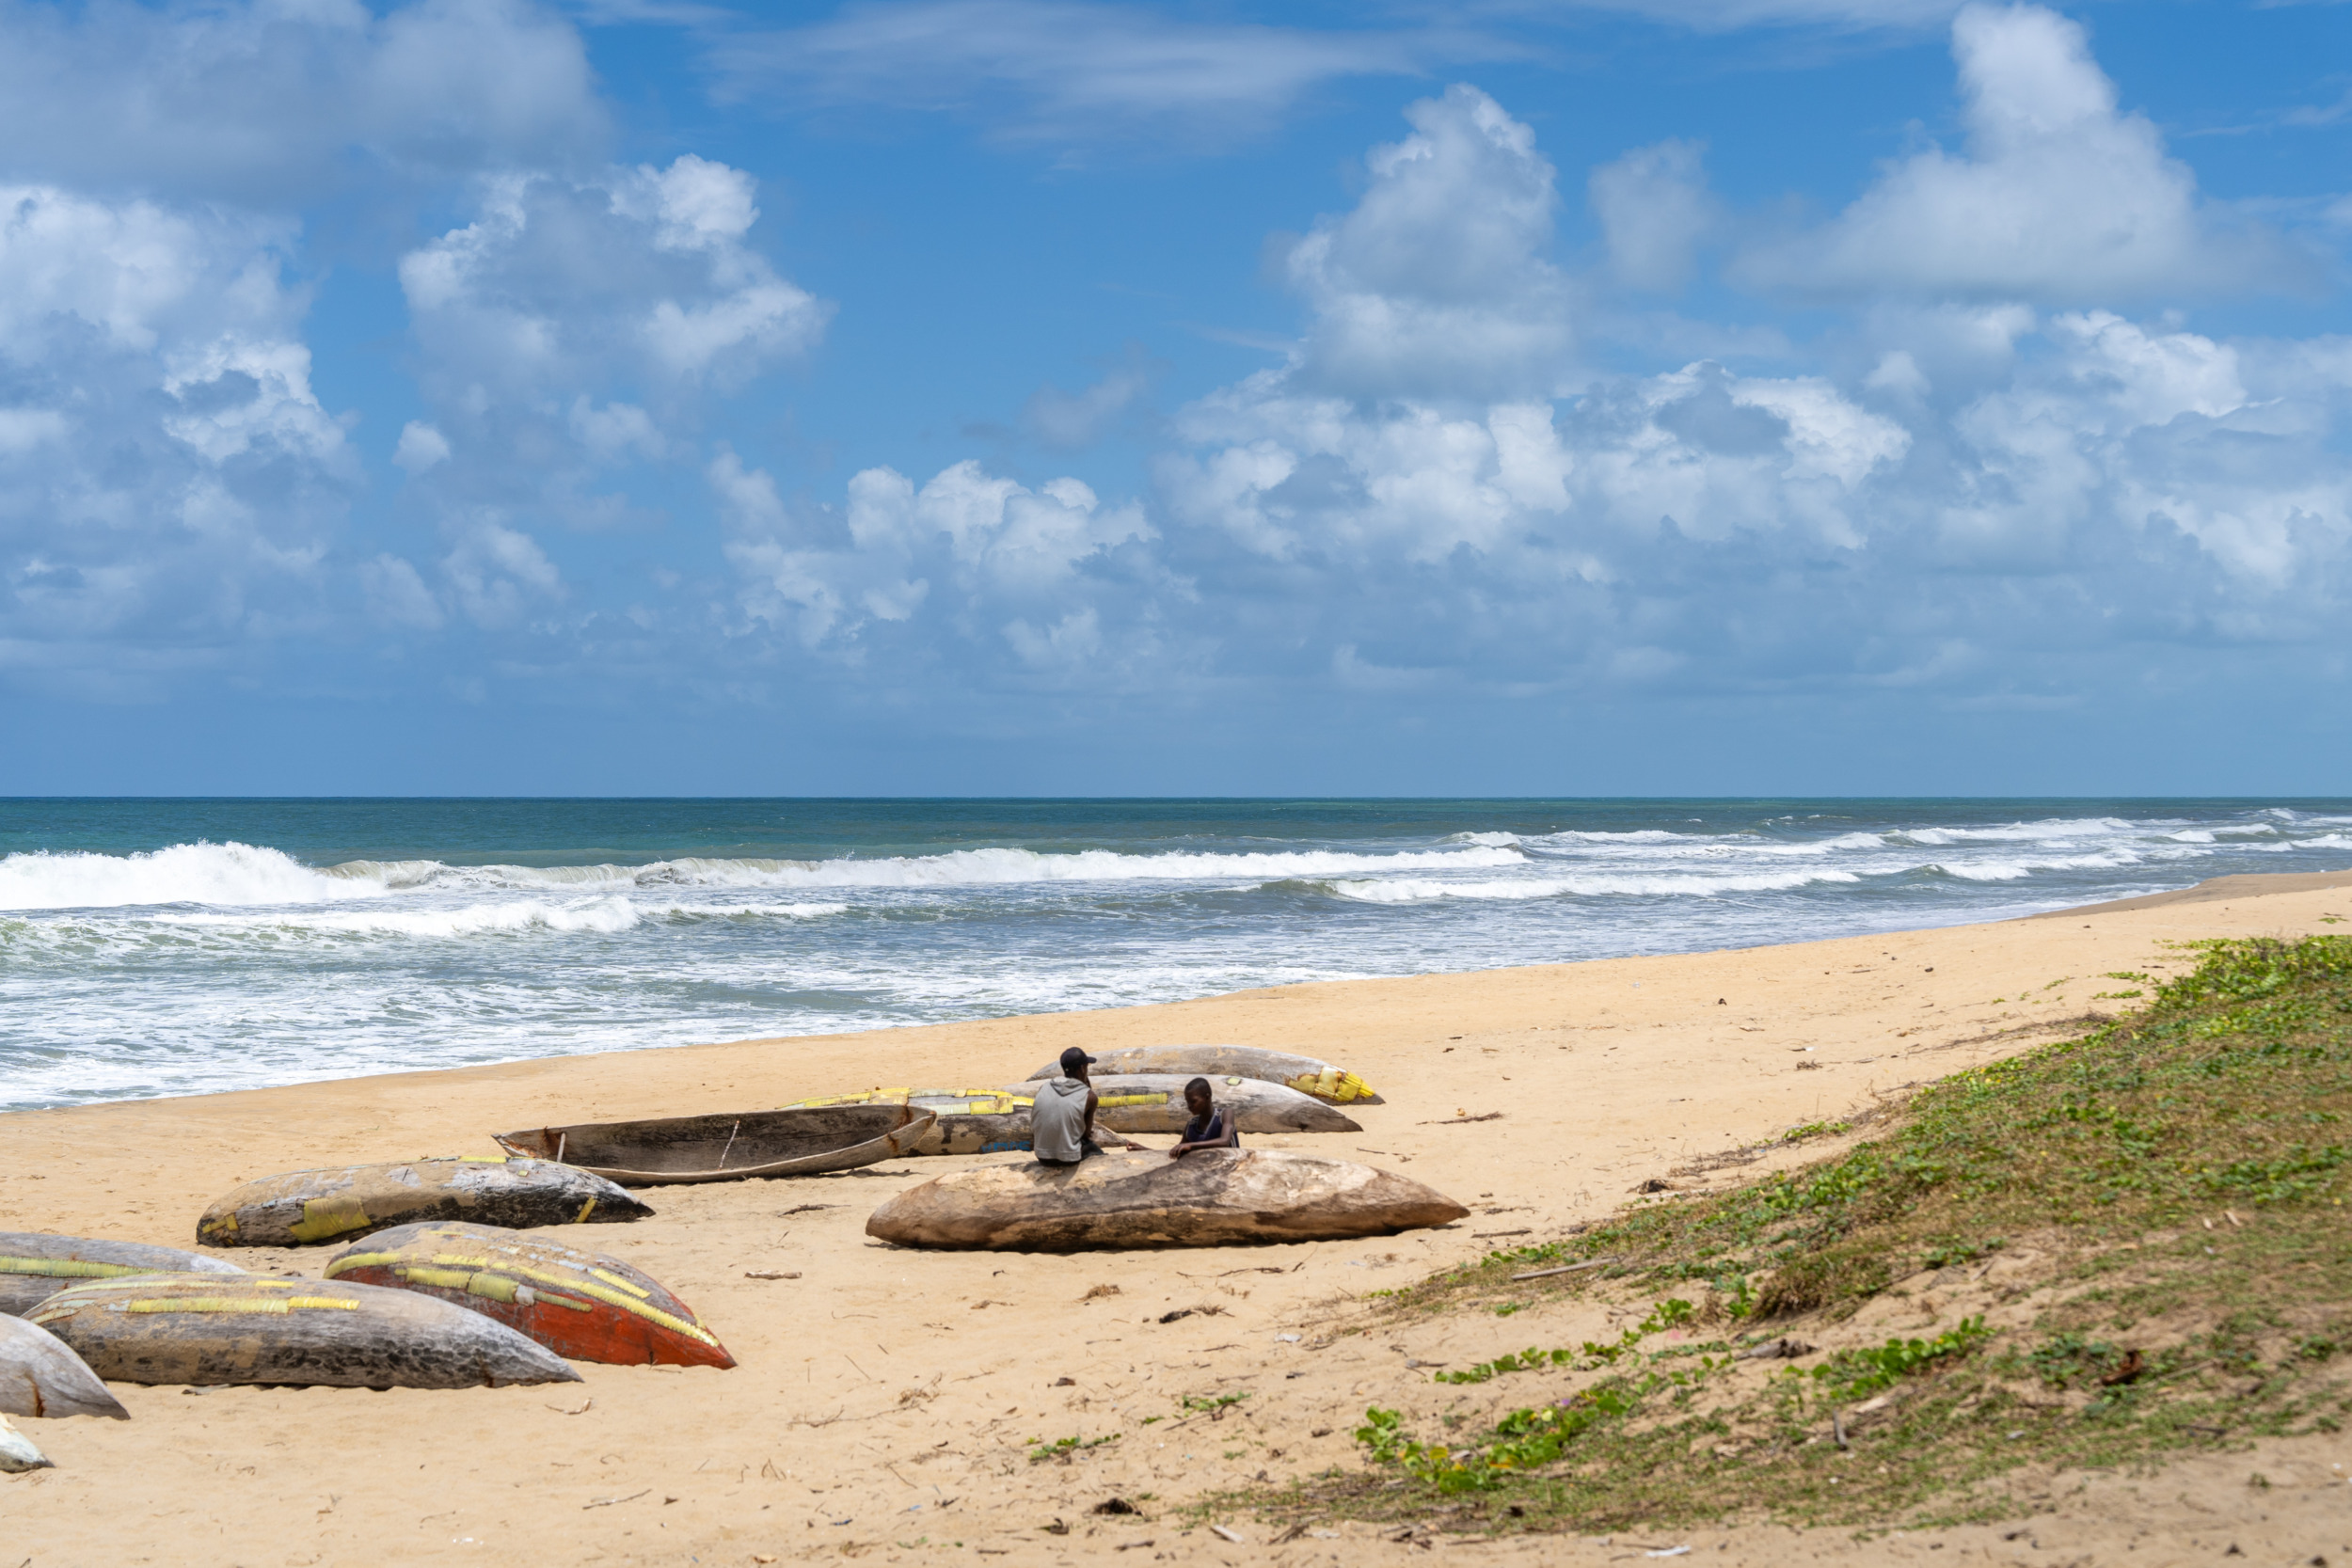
(2050, 830)
(219, 874)
(2014, 870)
(611, 913)
(995, 867)
(236, 876)
(1419, 890)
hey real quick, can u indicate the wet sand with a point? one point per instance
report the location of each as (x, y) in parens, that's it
(886, 1400)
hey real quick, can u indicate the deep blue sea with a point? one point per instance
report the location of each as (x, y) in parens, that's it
(164, 947)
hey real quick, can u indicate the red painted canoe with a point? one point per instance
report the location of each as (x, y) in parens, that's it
(584, 1306)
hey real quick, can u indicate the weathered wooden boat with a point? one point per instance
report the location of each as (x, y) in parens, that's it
(40, 1375)
(1309, 1076)
(35, 1267)
(584, 1306)
(970, 1121)
(18, 1454)
(1154, 1102)
(305, 1207)
(1215, 1197)
(800, 1141)
(207, 1328)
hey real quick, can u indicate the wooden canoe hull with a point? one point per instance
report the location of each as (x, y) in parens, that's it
(210, 1329)
(35, 1267)
(584, 1306)
(1154, 1102)
(730, 1146)
(40, 1375)
(1309, 1076)
(309, 1208)
(1217, 1197)
(969, 1121)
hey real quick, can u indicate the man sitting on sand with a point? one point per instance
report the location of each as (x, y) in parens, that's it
(1061, 1122)
(1212, 1126)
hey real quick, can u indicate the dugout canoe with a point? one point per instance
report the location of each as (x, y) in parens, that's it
(584, 1306)
(306, 1208)
(730, 1147)
(17, 1451)
(40, 1375)
(1309, 1076)
(970, 1121)
(209, 1329)
(1154, 1102)
(1215, 1197)
(35, 1267)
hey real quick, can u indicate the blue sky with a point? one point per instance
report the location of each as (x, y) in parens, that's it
(1052, 397)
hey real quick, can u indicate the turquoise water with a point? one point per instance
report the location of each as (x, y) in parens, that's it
(154, 947)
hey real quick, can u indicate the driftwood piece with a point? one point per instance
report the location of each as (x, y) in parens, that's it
(1570, 1268)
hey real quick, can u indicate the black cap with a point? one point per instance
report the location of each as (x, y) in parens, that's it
(1074, 1059)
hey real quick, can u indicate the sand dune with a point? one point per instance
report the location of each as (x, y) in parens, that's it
(886, 1399)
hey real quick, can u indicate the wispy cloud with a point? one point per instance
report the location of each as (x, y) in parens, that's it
(1067, 70)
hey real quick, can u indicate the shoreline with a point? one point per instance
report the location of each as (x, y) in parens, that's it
(936, 1369)
(2216, 889)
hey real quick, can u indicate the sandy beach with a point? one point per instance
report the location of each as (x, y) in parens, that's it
(886, 1400)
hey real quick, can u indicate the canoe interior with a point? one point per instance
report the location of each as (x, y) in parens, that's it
(729, 1143)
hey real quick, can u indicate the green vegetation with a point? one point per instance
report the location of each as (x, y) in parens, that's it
(2168, 1189)
(1854, 1374)
(1665, 1315)
(1067, 1449)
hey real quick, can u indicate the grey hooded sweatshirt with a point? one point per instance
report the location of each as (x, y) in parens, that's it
(1057, 1121)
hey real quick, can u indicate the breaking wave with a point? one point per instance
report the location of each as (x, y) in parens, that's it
(221, 875)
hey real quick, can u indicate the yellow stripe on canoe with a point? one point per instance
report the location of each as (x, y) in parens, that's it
(999, 1101)
(455, 1280)
(275, 1307)
(72, 1268)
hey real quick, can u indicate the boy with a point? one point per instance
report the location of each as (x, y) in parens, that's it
(1212, 1126)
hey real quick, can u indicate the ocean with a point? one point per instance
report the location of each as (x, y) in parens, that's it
(182, 946)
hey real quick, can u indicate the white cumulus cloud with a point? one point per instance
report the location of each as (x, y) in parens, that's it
(169, 483)
(2059, 194)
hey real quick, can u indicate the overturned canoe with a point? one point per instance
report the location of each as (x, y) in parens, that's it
(40, 1375)
(304, 1208)
(205, 1328)
(584, 1306)
(35, 1267)
(970, 1121)
(729, 1147)
(17, 1452)
(1210, 1199)
(1309, 1076)
(1154, 1102)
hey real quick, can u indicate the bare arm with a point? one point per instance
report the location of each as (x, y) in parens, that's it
(1228, 1136)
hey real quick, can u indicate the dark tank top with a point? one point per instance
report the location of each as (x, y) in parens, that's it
(1202, 1129)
